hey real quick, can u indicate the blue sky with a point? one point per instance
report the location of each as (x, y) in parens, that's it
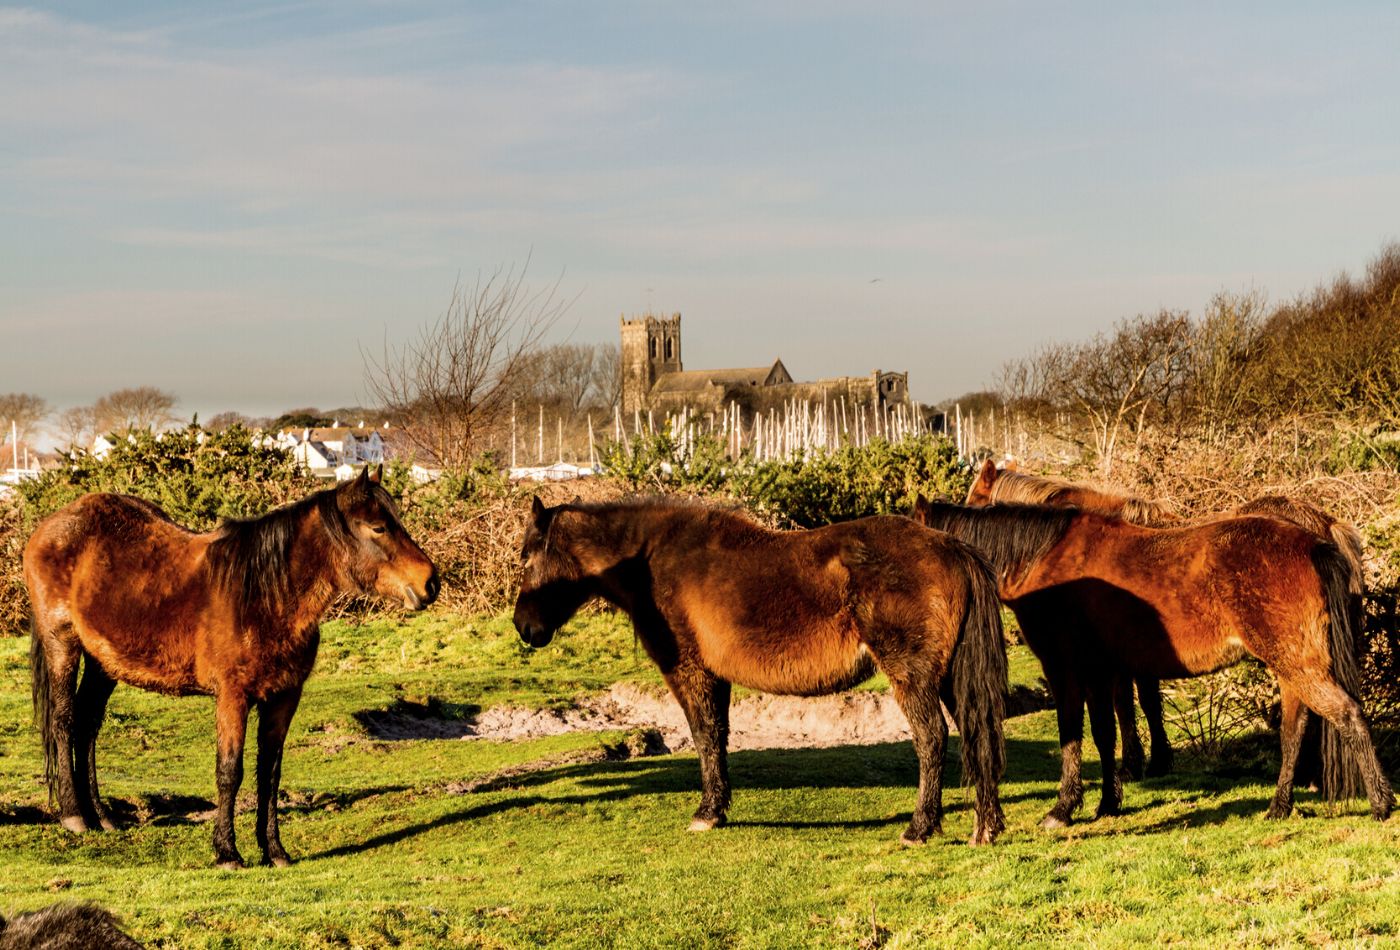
(227, 203)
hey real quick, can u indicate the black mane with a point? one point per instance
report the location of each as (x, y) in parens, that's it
(250, 559)
(1009, 536)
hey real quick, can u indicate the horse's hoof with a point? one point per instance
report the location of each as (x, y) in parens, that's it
(234, 863)
(980, 839)
(1053, 822)
(705, 824)
(912, 841)
(278, 861)
(1278, 812)
(75, 823)
(1155, 770)
(108, 824)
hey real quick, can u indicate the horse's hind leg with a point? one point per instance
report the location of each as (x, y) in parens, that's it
(1329, 700)
(1127, 725)
(1291, 729)
(61, 655)
(93, 692)
(704, 698)
(918, 698)
(1150, 699)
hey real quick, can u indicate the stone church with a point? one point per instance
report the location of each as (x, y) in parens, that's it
(653, 378)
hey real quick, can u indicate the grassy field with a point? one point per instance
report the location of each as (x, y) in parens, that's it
(392, 851)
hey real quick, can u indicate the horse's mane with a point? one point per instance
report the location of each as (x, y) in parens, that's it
(250, 559)
(1018, 487)
(1007, 535)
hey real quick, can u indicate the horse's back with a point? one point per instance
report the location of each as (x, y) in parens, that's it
(796, 612)
(129, 584)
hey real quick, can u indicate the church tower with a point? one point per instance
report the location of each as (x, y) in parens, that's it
(651, 348)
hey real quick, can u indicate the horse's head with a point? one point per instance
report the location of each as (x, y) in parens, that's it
(552, 583)
(383, 558)
(980, 494)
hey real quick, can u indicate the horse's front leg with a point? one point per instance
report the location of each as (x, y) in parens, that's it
(231, 723)
(1133, 758)
(1101, 726)
(1069, 713)
(704, 698)
(1149, 692)
(274, 716)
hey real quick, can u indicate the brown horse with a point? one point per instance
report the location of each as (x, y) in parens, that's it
(993, 486)
(717, 599)
(232, 613)
(1097, 596)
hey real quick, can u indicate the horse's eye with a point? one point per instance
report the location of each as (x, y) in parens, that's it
(377, 529)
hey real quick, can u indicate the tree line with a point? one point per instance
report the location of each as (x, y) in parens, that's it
(1237, 368)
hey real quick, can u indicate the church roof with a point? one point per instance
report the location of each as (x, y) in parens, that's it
(694, 380)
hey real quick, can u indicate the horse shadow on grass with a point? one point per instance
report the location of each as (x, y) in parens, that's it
(884, 765)
(890, 765)
(1204, 783)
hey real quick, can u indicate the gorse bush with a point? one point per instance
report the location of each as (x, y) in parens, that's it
(819, 488)
(196, 477)
(880, 478)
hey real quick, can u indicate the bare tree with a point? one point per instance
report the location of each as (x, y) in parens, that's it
(571, 377)
(227, 420)
(1106, 387)
(142, 407)
(607, 374)
(26, 411)
(452, 384)
(75, 426)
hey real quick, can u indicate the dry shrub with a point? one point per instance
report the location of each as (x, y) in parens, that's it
(1213, 713)
(14, 599)
(476, 542)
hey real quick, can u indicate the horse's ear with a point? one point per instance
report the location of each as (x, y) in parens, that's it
(1012, 466)
(377, 475)
(362, 479)
(578, 500)
(921, 508)
(988, 474)
(538, 511)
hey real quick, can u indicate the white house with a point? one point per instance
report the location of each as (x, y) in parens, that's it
(328, 448)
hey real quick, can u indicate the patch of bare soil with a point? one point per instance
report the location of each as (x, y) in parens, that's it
(755, 722)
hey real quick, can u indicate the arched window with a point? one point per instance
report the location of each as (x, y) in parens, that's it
(668, 349)
(652, 341)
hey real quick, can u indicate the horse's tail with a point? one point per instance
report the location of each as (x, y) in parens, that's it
(1341, 777)
(978, 674)
(43, 704)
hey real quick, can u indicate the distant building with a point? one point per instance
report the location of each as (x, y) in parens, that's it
(325, 449)
(653, 377)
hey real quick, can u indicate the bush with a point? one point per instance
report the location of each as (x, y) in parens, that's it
(820, 488)
(198, 478)
(879, 478)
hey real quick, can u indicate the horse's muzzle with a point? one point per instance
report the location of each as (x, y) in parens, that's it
(534, 633)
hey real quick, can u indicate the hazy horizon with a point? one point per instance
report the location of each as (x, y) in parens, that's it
(229, 205)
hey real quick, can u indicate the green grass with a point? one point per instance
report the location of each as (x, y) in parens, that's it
(596, 854)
